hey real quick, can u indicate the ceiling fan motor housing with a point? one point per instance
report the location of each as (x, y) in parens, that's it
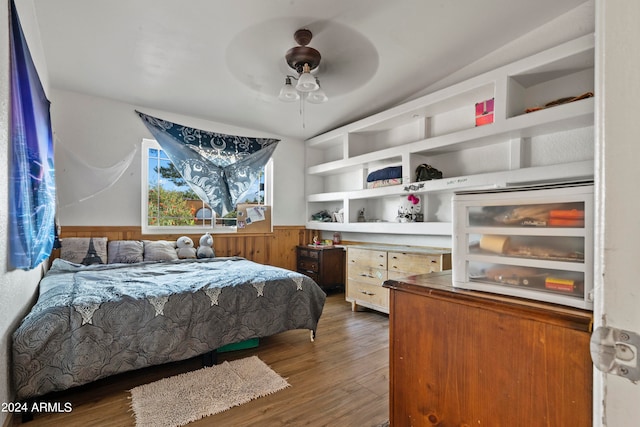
(299, 55)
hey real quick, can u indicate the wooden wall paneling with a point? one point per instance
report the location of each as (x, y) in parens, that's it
(256, 248)
(276, 248)
(283, 247)
(227, 247)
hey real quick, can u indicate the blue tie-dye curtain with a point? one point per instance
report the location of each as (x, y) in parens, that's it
(31, 176)
(219, 168)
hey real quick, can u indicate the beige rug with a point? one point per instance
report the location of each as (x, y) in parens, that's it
(178, 400)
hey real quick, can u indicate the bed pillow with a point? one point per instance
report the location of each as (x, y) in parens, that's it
(160, 250)
(84, 250)
(125, 251)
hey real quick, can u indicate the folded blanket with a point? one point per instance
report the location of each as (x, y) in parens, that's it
(384, 183)
(387, 173)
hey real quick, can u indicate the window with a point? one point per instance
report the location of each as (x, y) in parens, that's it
(170, 205)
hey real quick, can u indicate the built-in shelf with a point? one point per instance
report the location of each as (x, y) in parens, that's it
(439, 129)
(410, 228)
(539, 174)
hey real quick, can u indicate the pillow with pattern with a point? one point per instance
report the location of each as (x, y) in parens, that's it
(160, 250)
(125, 251)
(84, 250)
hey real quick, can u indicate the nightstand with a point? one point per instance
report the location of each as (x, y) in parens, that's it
(324, 264)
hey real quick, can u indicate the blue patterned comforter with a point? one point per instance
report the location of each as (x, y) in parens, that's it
(91, 322)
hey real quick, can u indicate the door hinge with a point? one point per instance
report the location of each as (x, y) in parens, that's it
(615, 351)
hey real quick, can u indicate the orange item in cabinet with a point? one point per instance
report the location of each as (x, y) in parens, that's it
(556, 284)
(561, 222)
(566, 214)
(566, 218)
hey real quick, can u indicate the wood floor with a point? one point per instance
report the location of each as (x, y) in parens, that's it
(341, 379)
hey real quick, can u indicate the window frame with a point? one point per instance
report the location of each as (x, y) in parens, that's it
(148, 144)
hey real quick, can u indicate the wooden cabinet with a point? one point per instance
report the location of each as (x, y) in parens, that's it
(467, 358)
(324, 264)
(369, 266)
(439, 128)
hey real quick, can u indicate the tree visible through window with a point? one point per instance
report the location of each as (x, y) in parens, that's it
(168, 194)
(172, 203)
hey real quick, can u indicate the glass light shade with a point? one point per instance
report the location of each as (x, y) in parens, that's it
(307, 83)
(288, 93)
(317, 96)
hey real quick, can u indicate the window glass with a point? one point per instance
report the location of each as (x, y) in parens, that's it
(170, 205)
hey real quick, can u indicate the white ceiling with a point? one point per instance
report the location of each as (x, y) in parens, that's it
(223, 60)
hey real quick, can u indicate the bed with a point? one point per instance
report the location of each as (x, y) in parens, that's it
(95, 321)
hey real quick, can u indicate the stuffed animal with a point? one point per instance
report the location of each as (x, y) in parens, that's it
(185, 249)
(205, 250)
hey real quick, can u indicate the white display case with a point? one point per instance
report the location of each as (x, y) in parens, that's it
(530, 242)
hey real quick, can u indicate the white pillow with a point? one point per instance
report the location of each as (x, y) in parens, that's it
(160, 250)
(84, 250)
(125, 251)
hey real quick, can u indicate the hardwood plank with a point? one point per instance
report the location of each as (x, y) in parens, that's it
(340, 379)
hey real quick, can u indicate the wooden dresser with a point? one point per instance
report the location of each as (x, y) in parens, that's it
(368, 266)
(324, 264)
(468, 358)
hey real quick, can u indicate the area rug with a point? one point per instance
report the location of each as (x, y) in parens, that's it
(178, 400)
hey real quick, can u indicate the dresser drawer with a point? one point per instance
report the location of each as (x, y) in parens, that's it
(366, 274)
(414, 263)
(367, 257)
(308, 265)
(368, 294)
(308, 253)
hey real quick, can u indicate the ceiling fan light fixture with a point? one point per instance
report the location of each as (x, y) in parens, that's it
(317, 96)
(288, 93)
(306, 82)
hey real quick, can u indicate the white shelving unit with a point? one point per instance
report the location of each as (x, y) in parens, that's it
(439, 129)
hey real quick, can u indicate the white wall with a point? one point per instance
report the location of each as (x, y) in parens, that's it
(571, 25)
(101, 132)
(17, 288)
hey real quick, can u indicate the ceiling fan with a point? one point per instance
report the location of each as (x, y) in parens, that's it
(303, 60)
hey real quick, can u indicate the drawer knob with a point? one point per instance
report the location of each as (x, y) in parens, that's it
(367, 292)
(366, 275)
